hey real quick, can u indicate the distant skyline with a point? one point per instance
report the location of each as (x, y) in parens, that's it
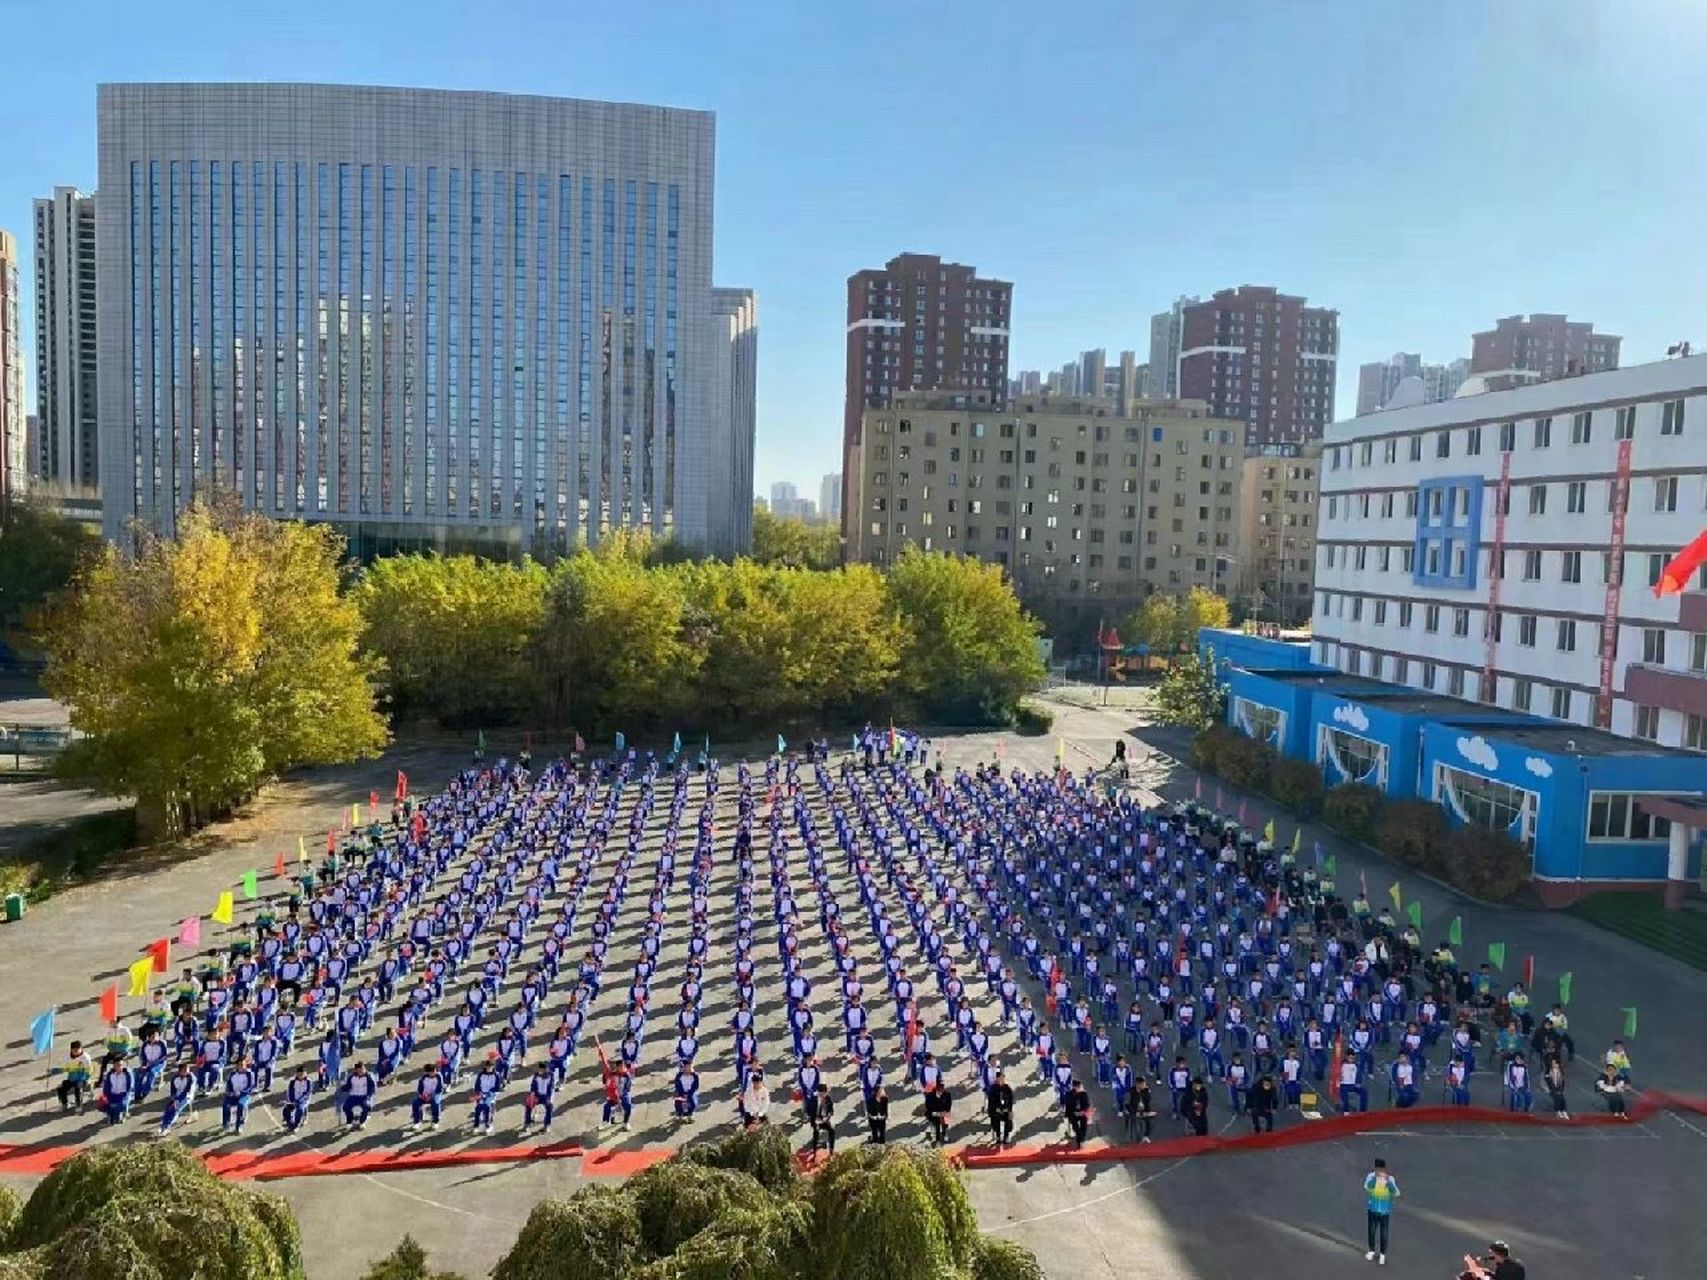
(1423, 170)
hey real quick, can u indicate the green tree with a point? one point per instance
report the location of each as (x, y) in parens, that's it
(457, 635)
(791, 542)
(40, 552)
(208, 663)
(1189, 695)
(1169, 624)
(971, 649)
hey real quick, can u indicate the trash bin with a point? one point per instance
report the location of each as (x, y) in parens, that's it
(14, 907)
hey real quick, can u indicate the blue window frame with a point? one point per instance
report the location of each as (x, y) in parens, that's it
(1449, 532)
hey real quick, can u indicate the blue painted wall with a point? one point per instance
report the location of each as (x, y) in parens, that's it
(1255, 653)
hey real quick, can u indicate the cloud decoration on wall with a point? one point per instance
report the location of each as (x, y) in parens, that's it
(1478, 751)
(1353, 717)
(1539, 767)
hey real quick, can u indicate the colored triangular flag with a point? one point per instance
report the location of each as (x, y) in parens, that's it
(190, 932)
(160, 954)
(140, 972)
(278, 866)
(251, 885)
(1415, 912)
(355, 815)
(110, 1004)
(372, 802)
(222, 910)
(1331, 864)
(1455, 932)
(708, 746)
(331, 842)
(1242, 813)
(1297, 840)
(1496, 955)
(621, 741)
(41, 1031)
(1676, 574)
(1565, 987)
(402, 785)
(1268, 831)
(1528, 971)
(676, 743)
(301, 849)
(781, 744)
(1220, 801)
(1396, 896)
(1630, 1023)
(580, 744)
(1197, 789)
(480, 740)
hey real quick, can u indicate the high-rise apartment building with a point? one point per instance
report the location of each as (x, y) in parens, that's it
(1074, 500)
(1263, 356)
(1166, 329)
(1385, 383)
(830, 498)
(430, 317)
(922, 324)
(735, 350)
(1539, 348)
(67, 445)
(14, 471)
(1277, 532)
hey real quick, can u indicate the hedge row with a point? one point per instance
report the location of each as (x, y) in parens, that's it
(1414, 833)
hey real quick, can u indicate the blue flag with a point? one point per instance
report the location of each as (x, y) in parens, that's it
(781, 744)
(708, 746)
(676, 746)
(621, 742)
(41, 1031)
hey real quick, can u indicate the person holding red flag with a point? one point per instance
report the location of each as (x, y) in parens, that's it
(619, 1087)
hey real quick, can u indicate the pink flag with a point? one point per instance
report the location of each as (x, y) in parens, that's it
(1219, 802)
(580, 746)
(1241, 813)
(1197, 790)
(190, 932)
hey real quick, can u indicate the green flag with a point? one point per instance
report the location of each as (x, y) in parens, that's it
(1455, 935)
(480, 740)
(1415, 912)
(250, 889)
(1330, 865)
(1630, 1023)
(1496, 955)
(1565, 987)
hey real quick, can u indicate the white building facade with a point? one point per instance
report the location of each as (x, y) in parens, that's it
(1547, 608)
(427, 316)
(67, 446)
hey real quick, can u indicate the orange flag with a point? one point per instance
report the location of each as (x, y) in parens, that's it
(160, 951)
(1675, 576)
(279, 867)
(110, 1004)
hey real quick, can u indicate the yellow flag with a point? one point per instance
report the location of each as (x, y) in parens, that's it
(139, 973)
(1393, 893)
(1060, 748)
(301, 850)
(1268, 831)
(1297, 841)
(355, 815)
(222, 909)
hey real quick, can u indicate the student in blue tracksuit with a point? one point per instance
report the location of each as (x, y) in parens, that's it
(239, 1093)
(299, 1090)
(487, 1081)
(118, 1090)
(687, 1092)
(541, 1093)
(428, 1099)
(358, 1096)
(1352, 1087)
(151, 1061)
(180, 1096)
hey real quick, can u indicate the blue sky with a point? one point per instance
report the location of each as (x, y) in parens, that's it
(1423, 167)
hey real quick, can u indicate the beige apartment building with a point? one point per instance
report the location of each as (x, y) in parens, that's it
(1277, 532)
(1076, 501)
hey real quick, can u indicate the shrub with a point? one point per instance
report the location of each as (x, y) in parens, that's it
(1413, 832)
(678, 1199)
(1354, 808)
(1297, 784)
(1488, 864)
(743, 1244)
(151, 1213)
(408, 1261)
(8, 1213)
(1246, 763)
(593, 1235)
(762, 1153)
(1032, 720)
(999, 1259)
(1208, 744)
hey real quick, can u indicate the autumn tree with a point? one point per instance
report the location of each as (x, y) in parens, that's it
(790, 542)
(1190, 695)
(1169, 624)
(209, 662)
(40, 551)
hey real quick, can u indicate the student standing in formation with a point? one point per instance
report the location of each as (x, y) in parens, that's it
(877, 1116)
(1380, 1189)
(1197, 1107)
(1078, 1112)
(1263, 1100)
(1000, 1099)
(823, 1116)
(937, 1106)
(74, 1083)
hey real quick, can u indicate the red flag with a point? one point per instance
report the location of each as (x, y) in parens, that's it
(278, 866)
(373, 799)
(110, 1004)
(1528, 971)
(1334, 1070)
(420, 826)
(402, 785)
(1675, 576)
(160, 951)
(331, 842)
(1197, 790)
(580, 744)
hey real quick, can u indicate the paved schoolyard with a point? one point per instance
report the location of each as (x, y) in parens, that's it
(1583, 1202)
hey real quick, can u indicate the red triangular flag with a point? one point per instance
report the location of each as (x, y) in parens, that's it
(278, 866)
(1334, 1070)
(420, 826)
(1242, 812)
(1675, 576)
(110, 1004)
(373, 799)
(402, 785)
(331, 842)
(160, 951)
(527, 739)
(1528, 972)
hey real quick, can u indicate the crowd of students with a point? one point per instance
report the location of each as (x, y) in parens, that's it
(1163, 958)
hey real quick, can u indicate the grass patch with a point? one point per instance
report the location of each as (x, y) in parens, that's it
(1643, 918)
(75, 851)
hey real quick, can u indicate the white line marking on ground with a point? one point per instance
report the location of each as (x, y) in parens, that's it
(1693, 1128)
(1086, 1204)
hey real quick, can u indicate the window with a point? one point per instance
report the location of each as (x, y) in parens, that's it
(1648, 723)
(1460, 622)
(1695, 732)
(1485, 802)
(1411, 505)
(1455, 682)
(1416, 448)
(1567, 635)
(1665, 493)
(1624, 426)
(1508, 436)
(1401, 669)
(1576, 497)
(1380, 613)
(1616, 815)
(1473, 441)
(1405, 608)
(1654, 646)
(1526, 630)
(1698, 651)
(1431, 618)
(1443, 445)
(1448, 534)
(1571, 567)
(1561, 704)
(1537, 499)
(1532, 566)
(1522, 694)
(1671, 418)
(1543, 432)
(1656, 567)
(1582, 427)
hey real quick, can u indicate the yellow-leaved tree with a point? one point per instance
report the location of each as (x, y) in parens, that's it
(209, 662)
